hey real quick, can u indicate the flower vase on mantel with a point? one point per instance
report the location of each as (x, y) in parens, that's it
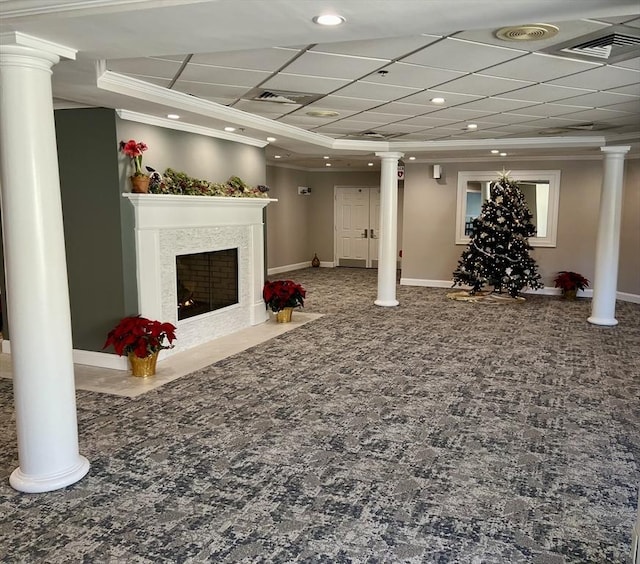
(140, 183)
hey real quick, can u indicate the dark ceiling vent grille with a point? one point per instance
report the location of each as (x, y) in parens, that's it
(281, 96)
(609, 45)
(588, 127)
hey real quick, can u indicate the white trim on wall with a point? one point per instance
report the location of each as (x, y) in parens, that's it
(546, 291)
(89, 358)
(297, 266)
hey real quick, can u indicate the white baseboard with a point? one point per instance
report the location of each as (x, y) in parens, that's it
(327, 264)
(89, 358)
(546, 291)
(296, 266)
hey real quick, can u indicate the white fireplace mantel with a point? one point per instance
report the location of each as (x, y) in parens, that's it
(170, 225)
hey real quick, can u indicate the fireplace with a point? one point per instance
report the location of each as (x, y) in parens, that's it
(206, 282)
(225, 232)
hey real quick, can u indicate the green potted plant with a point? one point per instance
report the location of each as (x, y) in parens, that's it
(141, 339)
(281, 296)
(569, 283)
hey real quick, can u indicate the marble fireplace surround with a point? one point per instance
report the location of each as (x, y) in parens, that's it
(170, 225)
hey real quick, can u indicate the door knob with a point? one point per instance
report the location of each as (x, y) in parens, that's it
(364, 234)
(372, 235)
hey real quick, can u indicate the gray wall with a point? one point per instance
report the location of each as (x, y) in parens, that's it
(430, 211)
(87, 159)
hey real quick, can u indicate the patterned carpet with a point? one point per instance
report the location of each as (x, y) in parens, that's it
(434, 432)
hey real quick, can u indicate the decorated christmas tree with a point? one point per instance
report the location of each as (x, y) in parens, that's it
(498, 253)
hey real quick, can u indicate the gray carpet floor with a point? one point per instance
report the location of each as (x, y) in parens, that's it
(437, 431)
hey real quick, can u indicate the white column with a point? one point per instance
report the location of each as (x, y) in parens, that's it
(36, 272)
(387, 261)
(603, 305)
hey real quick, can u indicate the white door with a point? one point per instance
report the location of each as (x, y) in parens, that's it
(357, 220)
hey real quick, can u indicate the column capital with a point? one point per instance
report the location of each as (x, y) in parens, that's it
(389, 155)
(616, 149)
(14, 42)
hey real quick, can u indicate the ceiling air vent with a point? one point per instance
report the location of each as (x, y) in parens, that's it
(281, 96)
(609, 45)
(576, 128)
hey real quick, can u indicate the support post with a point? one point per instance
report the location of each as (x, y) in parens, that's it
(603, 305)
(36, 271)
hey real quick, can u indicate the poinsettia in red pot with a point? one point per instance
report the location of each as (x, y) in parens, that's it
(141, 339)
(281, 296)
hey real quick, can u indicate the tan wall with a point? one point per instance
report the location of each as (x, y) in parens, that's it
(430, 212)
(288, 225)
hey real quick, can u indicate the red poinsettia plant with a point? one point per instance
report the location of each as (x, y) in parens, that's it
(140, 336)
(283, 293)
(133, 150)
(570, 281)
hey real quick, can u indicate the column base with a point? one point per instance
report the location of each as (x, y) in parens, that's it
(39, 484)
(605, 321)
(386, 303)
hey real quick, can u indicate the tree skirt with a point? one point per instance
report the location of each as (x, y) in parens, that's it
(484, 297)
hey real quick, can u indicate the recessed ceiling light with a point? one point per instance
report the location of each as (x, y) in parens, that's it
(412, 158)
(329, 19)
(326, 157)
(322, 113)
(229, 129)
(369, 164)
(472, 126)
(494, 151)
(327, 164)
(503, 154)
(438, 100)
(277, 157)
(271, 139)
(173, 116)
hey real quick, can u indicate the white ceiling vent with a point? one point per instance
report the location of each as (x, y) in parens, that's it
(609, 45)
(281, 96)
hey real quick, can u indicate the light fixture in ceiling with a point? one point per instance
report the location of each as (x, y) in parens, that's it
(229, 129)
(322, 113)
(527, 32)
(271, 139)
(438, 101)
(472, 126)
(412, 158)
(326, 157)
(503, 154)
(277, 156)
(329, 19)
(173, 116)
(494, 151)
(327, 164)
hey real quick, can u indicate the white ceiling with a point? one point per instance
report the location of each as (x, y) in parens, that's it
(208, 61)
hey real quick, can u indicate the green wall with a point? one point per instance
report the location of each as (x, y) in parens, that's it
(89, 184)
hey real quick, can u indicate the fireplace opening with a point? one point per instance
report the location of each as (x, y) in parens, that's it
(206, 282)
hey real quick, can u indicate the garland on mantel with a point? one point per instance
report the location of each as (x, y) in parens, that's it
(173, 182)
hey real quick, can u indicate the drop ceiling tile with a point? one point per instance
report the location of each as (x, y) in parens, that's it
(629, 64)
(595, 114)
(374, 117)
(631, 90)
(429, 121)
(495, 104)
(632, 107)
(546, 93)
(460, 55)
(598, 99)
(144, 67)
(357, 125)
(553, 123)
(460, 113)
(482, 85)
(303, 121)
(403, 74)
(549, 110)
(389, 48)
(222, 75)
(333, 66)
(400, 128)
(307, 84)
(381, 92)
(517, 118)
(339, 103)
(335, 127)
(401, 109)
(451, 98)
(209, 91)
(260, 59)
(319, 107)
(602, 78)
(536, 67)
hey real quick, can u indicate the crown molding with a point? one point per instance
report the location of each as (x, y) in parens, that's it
(24, 40)
(190, 128)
